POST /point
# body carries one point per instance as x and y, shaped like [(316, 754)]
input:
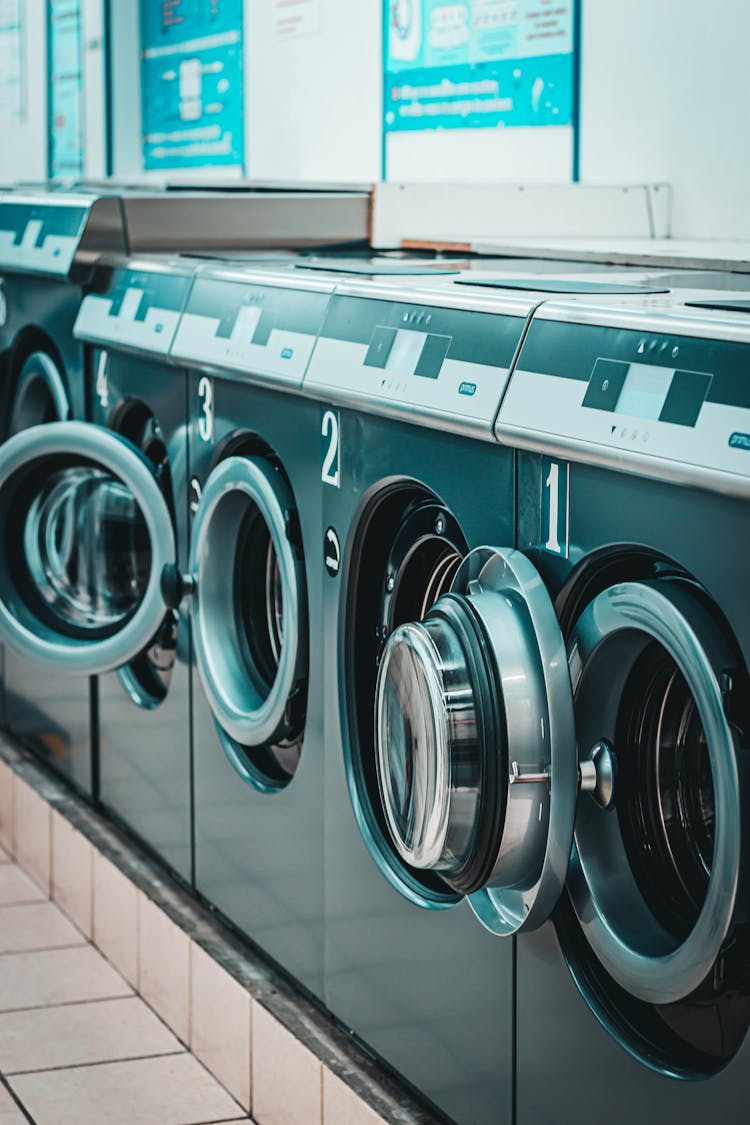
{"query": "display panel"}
[(464, 65), (191, 83), (66, 125), (647, 391)]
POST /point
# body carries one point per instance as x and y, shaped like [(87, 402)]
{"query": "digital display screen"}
[(644, 390), (402, 351), (647, 391)]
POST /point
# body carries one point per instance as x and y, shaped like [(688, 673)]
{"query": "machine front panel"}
[(657, 404), (250, 328), (416, 360), (137, 309), (40, 237)]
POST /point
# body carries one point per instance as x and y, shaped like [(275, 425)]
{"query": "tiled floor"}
[(77, 1045)]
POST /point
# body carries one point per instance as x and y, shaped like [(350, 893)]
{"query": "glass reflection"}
[(87, 549)]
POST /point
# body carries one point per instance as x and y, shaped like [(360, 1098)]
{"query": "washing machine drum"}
[(249, 614), (475, 742)]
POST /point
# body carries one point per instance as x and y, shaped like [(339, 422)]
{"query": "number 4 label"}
[(555, 507), (330, 432)]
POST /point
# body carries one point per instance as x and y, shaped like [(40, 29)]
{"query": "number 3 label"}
[(555, 509), (330, 429), (206, 404)]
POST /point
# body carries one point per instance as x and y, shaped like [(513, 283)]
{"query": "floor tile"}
[(220, 1024), (287, 1078), (10, 1114), (37, 925), (15, 886), (164, 967), (72, 860), (175, 1090), (79, 1034), (115, 909), (7, 807), (342, 1106), (33, 833), (32, 980)]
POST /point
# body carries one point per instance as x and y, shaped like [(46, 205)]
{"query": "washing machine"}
[(142, 719), (48, 243), (633, 485), (256, 566), (410, 379)]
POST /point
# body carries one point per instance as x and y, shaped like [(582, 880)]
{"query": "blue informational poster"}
[(66, 145), (191, 83), (477, 64)]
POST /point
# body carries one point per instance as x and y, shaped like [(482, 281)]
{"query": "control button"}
[(605, 384)]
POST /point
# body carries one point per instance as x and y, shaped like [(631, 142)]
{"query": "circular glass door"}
[(475, 743), (85, 537), (654, 879), (249, 616)]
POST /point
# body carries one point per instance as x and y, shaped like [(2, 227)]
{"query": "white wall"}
[(313, 107), (23, 144), (665, 96)]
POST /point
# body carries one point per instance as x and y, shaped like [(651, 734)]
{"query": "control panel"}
[(134, 308), (38, 236), (448, 363), (251, 325), (665, 396)]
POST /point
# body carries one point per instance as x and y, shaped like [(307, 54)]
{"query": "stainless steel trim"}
[(437, 293), (671, 319), (19, 628), (644, 465)]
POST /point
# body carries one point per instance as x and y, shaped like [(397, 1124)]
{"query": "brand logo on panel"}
[(740, 441), (467, 389)]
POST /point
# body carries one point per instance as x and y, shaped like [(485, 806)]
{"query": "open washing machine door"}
[(86, 536), (249, 616), (40, 395), (475, 740), (655, 883), (492, 737)]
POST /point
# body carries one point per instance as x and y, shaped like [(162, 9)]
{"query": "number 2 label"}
[(555, 508), (330, 429)]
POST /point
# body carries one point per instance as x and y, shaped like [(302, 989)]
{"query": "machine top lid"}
[(553, 285), (742, 306), (376, 267)]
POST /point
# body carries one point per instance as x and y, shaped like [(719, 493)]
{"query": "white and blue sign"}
[(65, 89), (476, 64), (191, 84)]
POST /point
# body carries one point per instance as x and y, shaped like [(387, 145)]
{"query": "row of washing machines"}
[(401, 608)]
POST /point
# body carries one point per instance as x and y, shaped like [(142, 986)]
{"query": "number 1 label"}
[(555, 507)]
